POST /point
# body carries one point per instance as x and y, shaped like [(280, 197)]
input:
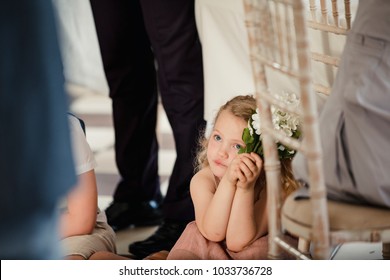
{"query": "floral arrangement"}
[(289, 124)]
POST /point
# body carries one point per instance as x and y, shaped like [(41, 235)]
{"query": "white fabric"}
[(82, 153), (227, 68), (80, 50)]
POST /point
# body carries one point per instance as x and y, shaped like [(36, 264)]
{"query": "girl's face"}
[(225, 141)]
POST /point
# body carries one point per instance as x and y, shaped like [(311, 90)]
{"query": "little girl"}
[(229, 193), (83, 227)]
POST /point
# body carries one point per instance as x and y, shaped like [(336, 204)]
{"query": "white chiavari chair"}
[(278, 42)]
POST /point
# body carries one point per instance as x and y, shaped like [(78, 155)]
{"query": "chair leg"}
[(274, 252), (304, 247), (386, 251)]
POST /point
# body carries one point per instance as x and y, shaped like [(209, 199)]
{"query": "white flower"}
[(250, 127), (256, 122), (288, 124), (283, 121)]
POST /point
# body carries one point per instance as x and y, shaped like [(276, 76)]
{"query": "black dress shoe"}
[(163, 239), (124, 214)]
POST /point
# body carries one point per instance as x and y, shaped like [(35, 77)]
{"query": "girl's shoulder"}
[(204, 174), (203, 178)]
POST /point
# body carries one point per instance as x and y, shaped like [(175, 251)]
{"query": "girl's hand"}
[(250, 168), (244, 169)]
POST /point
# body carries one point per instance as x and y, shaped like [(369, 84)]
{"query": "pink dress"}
[(192, 245)]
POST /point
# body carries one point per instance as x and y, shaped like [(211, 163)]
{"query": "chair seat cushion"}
[(297, 217)]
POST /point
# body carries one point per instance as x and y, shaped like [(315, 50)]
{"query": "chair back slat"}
[(330, 24), (282, 45)]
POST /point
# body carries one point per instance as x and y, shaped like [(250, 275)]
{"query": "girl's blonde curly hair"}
[(242, 106)]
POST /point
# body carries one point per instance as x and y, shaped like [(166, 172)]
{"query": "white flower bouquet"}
[(287, 123)]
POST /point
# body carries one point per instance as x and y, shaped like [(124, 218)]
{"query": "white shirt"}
[(84, 159)]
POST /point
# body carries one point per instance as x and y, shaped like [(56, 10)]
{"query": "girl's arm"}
[(248, 221), (248, 218), (212, 204), (80, 217)]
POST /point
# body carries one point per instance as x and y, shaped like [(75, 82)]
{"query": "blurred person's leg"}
[(36, 166), (355, 121), (129, 67)]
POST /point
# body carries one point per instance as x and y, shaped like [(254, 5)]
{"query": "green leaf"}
[(246, 136)]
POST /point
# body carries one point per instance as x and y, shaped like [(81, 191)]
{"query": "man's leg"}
[(129, 66), (172, 31)]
